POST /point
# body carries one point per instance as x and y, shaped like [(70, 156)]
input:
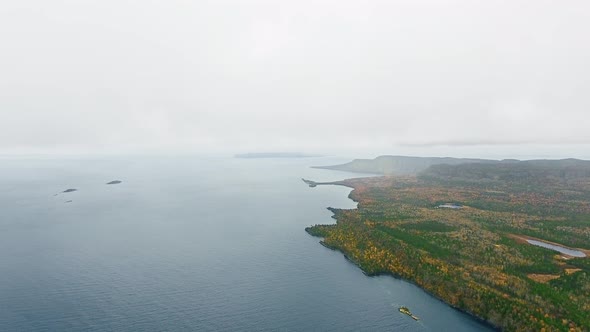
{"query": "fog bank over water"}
[(379, 77), (522, 152), (500, 151)]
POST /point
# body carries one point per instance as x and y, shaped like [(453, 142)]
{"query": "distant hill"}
[(470, 170), (275, 155), (530, 172), (399, 165)]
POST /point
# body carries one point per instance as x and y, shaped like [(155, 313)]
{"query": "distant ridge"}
[(435, 167), (528, 172), (275, 155), (400, 165)]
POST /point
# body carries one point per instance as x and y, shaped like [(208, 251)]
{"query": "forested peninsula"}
[(463, 232)]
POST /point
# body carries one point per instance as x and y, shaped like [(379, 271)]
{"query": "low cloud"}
[(317, 76)]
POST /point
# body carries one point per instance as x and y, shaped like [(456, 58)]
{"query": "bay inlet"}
[(185, 244)]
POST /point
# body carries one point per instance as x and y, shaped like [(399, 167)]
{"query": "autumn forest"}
[(475, 255)]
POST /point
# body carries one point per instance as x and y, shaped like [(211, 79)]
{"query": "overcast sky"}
[(317, 76)]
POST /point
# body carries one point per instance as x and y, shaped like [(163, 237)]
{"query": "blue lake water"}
[(563, 250), (187, 244)]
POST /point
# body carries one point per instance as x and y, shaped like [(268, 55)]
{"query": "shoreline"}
[(398, 277), (389, 274)]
